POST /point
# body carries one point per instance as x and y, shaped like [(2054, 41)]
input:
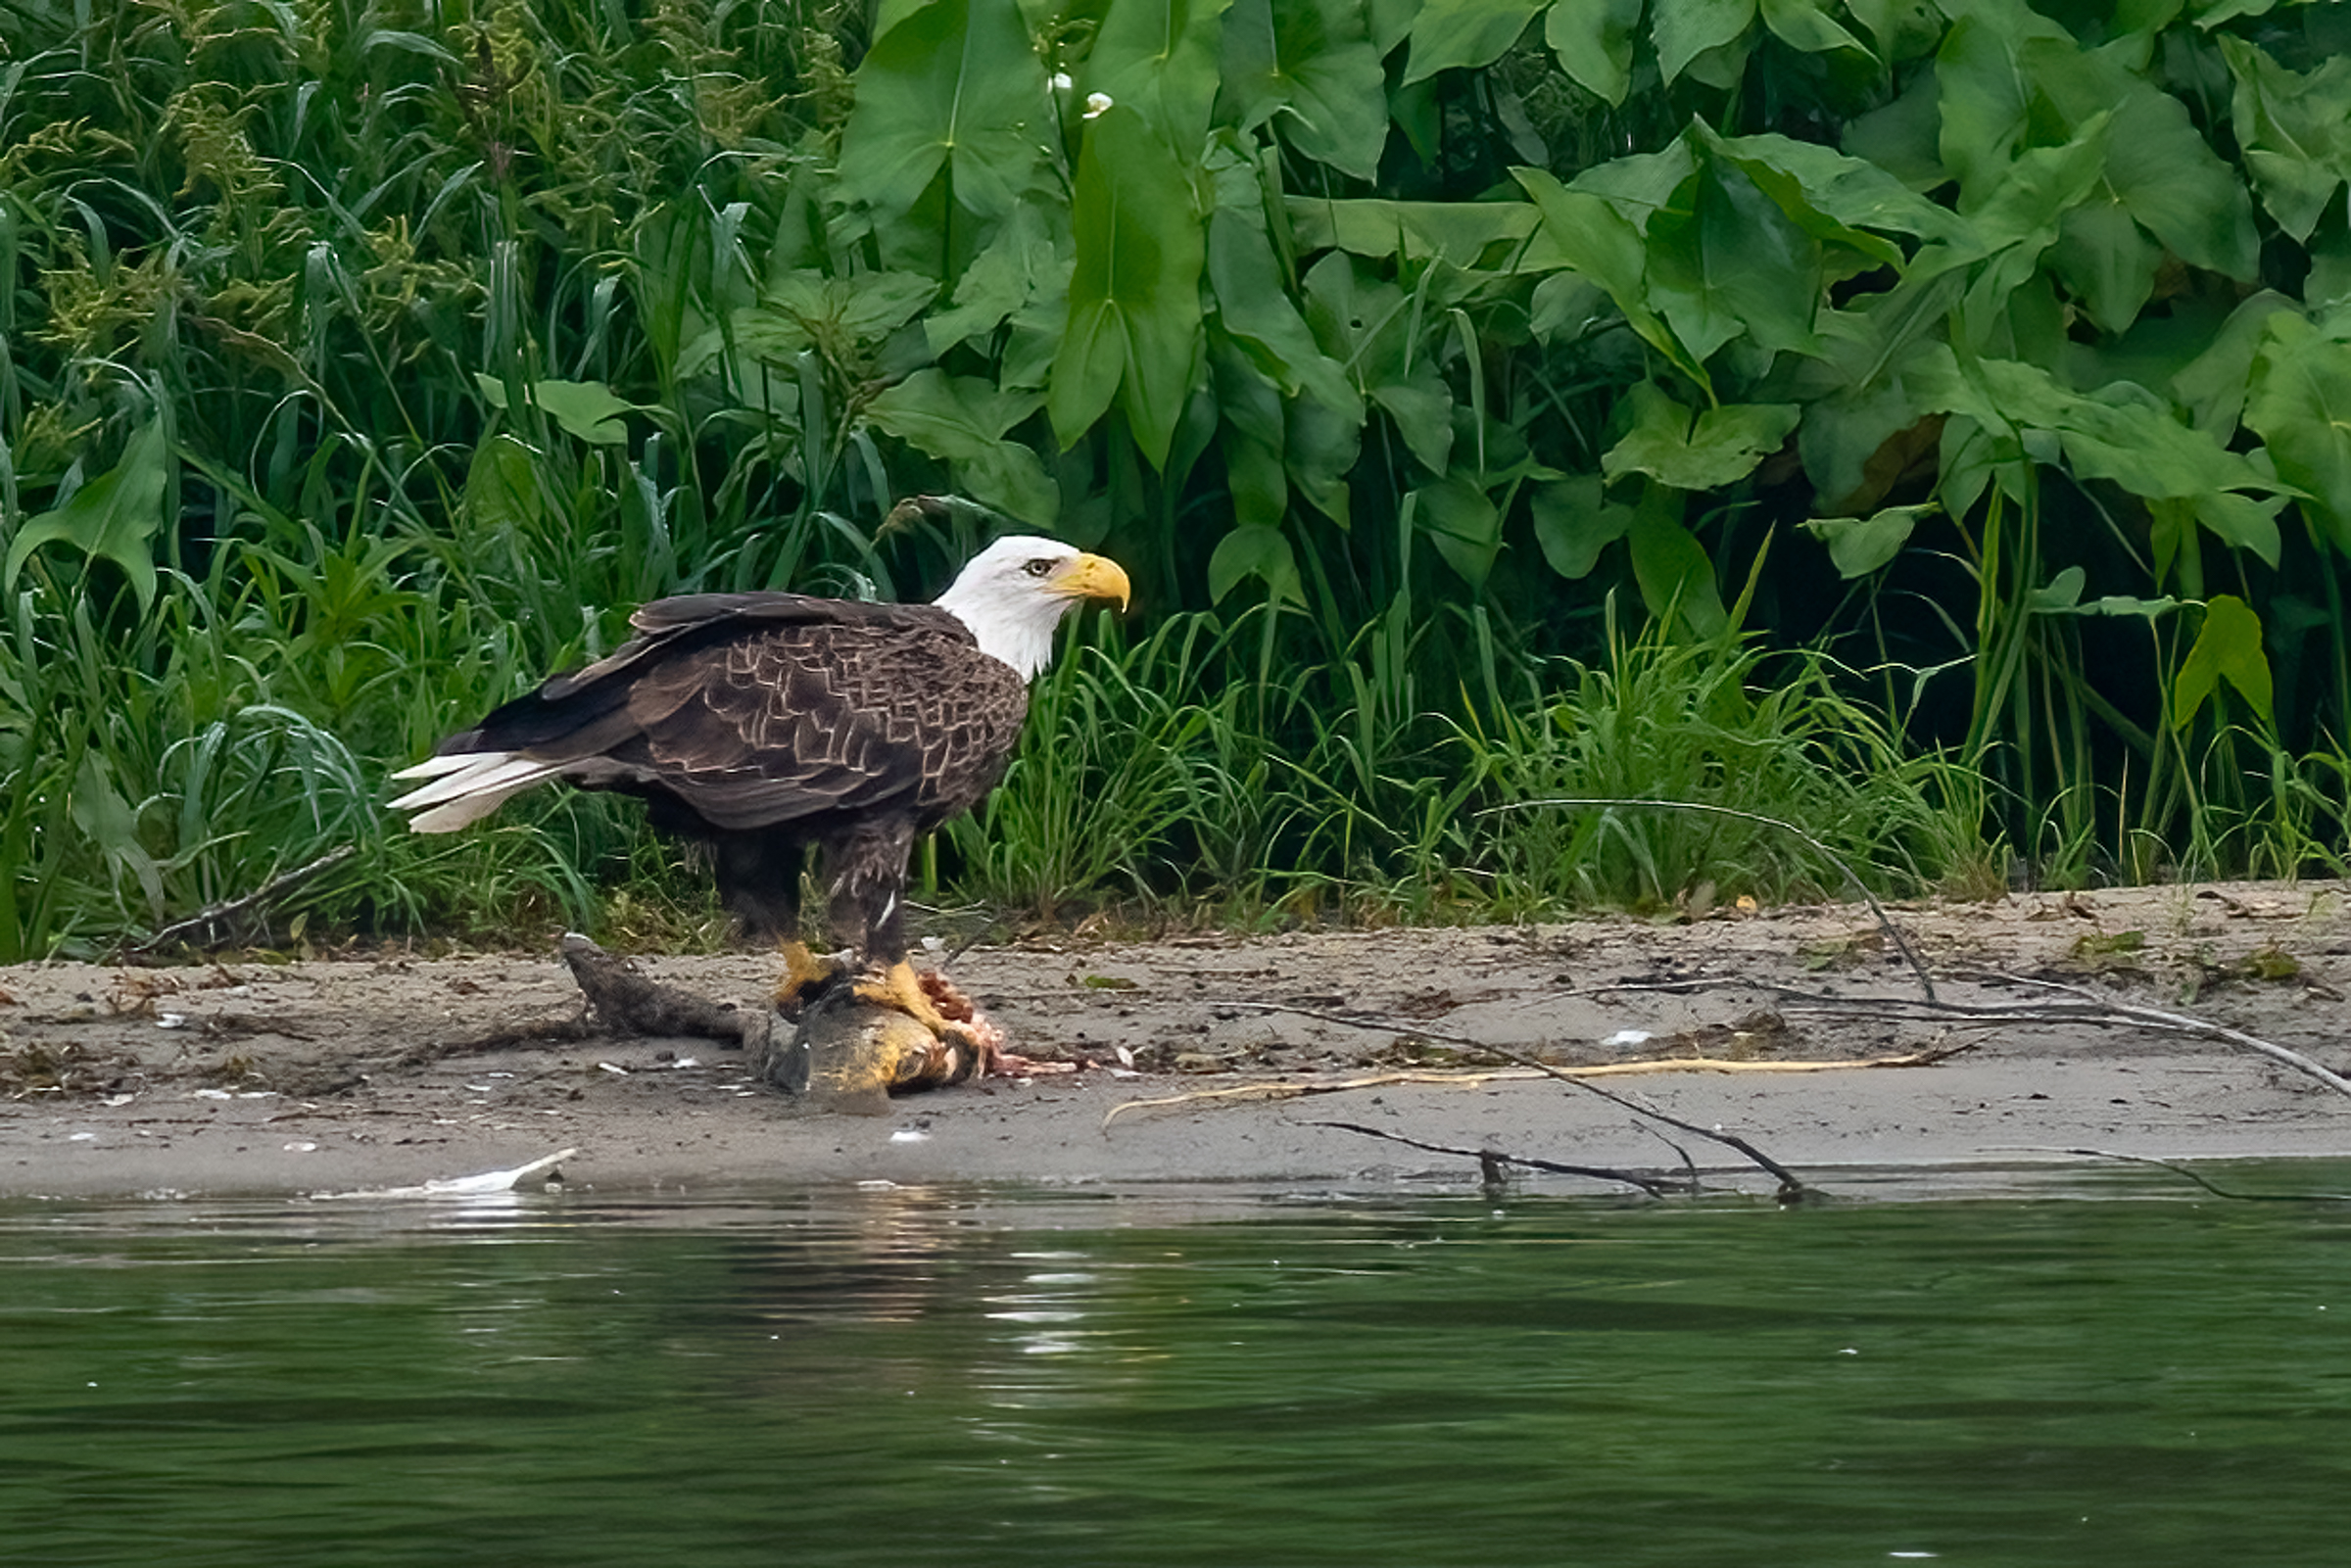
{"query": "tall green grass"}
[(246, 725), (1090, 799), (1720, 723)]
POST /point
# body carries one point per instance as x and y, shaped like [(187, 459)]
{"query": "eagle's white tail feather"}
[(478, 785), (434, 767), (472, 809), (483, 770)]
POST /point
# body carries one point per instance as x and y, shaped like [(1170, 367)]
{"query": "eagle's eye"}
[(1038, 567)]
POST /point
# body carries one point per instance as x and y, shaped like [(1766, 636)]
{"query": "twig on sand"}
[(1792, 1186), (2188, 1023), (209, 920), (1894, 932), (1488, 1159), (1290, 1089), (2085, 1007)]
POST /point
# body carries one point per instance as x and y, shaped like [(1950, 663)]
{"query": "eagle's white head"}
[(1015, 592)]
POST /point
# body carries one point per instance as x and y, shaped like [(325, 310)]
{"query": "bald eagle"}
[(765, 724)]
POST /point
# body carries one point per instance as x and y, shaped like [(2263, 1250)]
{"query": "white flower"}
[(1061, 82), (1095, 103)]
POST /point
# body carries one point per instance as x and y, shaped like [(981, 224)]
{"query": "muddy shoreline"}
[(245, 1078)]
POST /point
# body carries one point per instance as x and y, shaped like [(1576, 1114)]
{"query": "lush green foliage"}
[(358, 364)]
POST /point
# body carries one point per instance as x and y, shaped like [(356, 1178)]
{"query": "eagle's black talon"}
[(809, 976)]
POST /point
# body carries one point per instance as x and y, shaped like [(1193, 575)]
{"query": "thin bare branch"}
[(1393, 1025), (2211, 1186), (1792, 1186), (1894, 932), (1655, 1186), (2086, 1008), (218, 915)]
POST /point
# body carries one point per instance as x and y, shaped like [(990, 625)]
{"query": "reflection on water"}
[(937, 1376)]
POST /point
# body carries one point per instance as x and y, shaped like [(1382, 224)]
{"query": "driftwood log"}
[(625, 1002)]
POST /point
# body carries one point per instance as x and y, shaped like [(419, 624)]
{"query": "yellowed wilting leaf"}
[(2268, 961), (1833, 952), (2107, 945)]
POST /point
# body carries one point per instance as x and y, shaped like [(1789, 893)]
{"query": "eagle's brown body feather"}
[(765, 724)]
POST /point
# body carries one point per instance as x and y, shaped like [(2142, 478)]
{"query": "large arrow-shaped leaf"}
[(1449, 34), (2301, 403), (1159, 58), (1366, 323), (1459, 520), (1135, 297), (2119, 433), (2228, 648), (1252, 298), (113, 517), (1721, 447), (953, 85), (2013, 80), (1724, 258), (1684, 30), (1309, 66), (2295, 131), (962, 419), (1594, 42), (1595, 239)]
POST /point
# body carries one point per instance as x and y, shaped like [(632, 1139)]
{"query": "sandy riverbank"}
[(242, 1077)]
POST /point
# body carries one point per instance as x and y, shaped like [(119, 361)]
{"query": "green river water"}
[(2115, 1372)]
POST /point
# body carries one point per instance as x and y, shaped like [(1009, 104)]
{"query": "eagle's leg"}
[(759, 881), (867, 871)]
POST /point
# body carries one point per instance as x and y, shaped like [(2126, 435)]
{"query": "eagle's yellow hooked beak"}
[(1093, 577)]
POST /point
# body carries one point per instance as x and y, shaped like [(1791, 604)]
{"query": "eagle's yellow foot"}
[(901, 987), (805, 975), (973, 1043)]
